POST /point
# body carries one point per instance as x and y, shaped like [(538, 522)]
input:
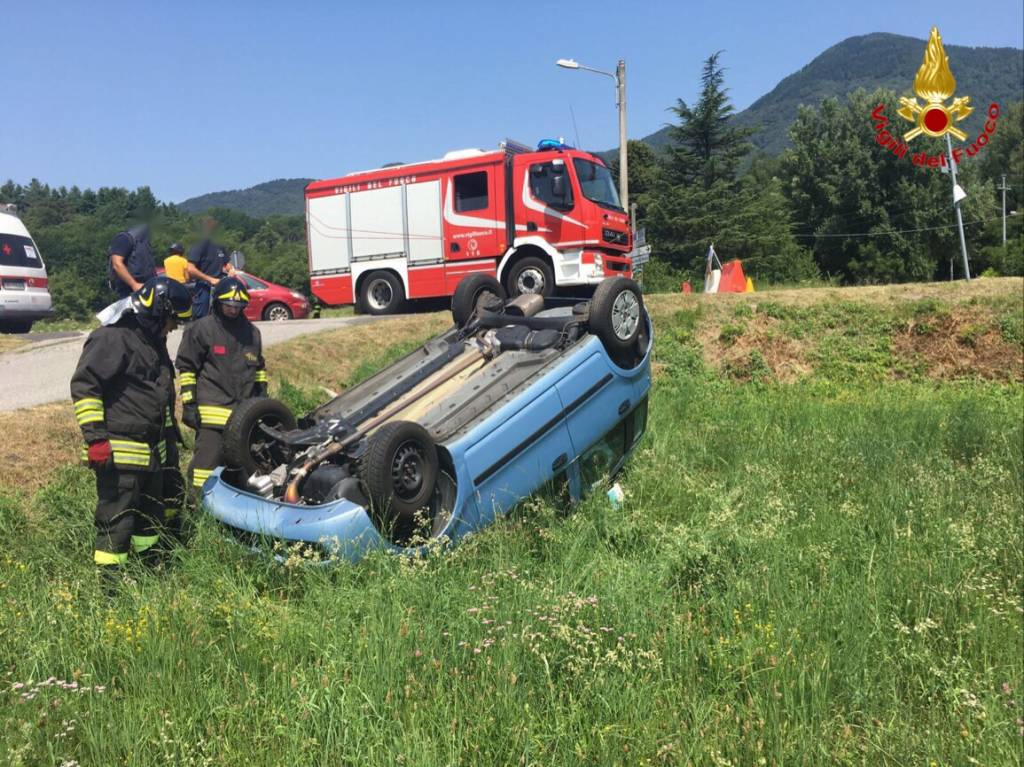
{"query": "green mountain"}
[(878, 60), (283, 196)]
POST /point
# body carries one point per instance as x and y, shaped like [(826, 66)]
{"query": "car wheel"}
[(530, 275), (15, 327), (246, 446), (381, 293), (399, 470), (277, 312), (473, 292), (617, 314)]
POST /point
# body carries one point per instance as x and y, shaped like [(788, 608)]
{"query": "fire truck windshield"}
[(596, 183)]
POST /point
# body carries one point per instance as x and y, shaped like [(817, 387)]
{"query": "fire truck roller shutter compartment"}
[(378, 228), (424, 238), (328, 229)]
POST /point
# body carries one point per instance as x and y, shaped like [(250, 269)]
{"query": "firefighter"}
[(122, 391), (221, 363)]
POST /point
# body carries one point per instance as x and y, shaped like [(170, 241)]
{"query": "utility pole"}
[(958, 195), (1004, 187), (619, 76), (620, 83)]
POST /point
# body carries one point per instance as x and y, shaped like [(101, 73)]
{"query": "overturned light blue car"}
[(519, 396)]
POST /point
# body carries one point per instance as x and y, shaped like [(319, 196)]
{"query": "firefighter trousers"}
[(129, 513), (173, 488), (207, 456)]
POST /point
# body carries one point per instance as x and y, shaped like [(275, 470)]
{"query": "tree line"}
[(835, 206), (74, 227)]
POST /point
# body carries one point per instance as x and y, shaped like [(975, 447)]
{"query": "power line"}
[(898, 231)]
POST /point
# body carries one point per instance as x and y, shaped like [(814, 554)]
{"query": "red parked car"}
[(268, 301)]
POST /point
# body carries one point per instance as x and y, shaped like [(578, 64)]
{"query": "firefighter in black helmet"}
[(123, 391), (221, 363)]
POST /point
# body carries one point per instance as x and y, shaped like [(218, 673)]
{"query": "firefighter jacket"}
[(221, 364), (122, 391)]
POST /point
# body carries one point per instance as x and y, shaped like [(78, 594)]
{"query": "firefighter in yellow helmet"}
[(123, 393), (221, 363)]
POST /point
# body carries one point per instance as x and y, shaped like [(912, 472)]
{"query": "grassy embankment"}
[(819, 561)]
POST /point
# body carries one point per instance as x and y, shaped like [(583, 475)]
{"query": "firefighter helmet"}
[(231, 291), (161, 298)]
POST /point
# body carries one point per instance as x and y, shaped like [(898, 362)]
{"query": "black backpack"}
[(140, 262)]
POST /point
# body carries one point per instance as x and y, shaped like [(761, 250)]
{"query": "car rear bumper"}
[(18, 311)]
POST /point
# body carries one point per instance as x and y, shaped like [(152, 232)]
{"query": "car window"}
[(542, 184), (471, 191), (19, 251), (252, 283), (596, 183), (639, 421), (601, 458)]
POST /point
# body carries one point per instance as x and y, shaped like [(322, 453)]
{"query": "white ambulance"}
[(24, 287)]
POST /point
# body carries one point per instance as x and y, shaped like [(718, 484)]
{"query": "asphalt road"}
[(39, 373)]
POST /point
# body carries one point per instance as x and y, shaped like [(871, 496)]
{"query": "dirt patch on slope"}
[(965, 345)]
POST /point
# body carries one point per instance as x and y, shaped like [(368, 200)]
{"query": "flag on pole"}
[(713, 258), (712, 273)]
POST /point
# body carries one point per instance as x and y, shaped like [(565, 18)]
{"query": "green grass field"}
[(820, 560)]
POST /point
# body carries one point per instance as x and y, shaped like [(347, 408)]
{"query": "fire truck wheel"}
[(530, 275), (617, 314), (472, 292), (246, 446), (381, 293), (399, 470)]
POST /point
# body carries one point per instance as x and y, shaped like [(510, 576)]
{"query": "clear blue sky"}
[(192, 97)]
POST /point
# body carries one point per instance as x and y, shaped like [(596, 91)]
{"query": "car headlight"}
[(297, 295)]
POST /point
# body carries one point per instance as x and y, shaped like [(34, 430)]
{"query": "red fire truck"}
[(535, 219)]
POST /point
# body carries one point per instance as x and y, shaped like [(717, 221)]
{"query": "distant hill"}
[(282, 196), (878, 60)]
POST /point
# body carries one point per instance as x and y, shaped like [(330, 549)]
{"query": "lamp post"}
[(619, 76)]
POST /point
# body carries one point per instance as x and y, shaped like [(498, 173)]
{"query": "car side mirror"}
[(558, 186)]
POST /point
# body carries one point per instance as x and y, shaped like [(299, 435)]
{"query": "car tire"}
[(277, 312), (14, 326), (471, 293), (399, 470), (381, 293), (617, 315), (530, 275), (246, 447)]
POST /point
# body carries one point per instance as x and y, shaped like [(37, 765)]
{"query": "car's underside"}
[(381, 444)]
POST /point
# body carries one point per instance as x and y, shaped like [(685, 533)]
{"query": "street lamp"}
[(619, 76)]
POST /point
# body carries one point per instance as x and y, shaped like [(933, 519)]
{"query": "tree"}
[(868, 215), (704, 148), (696, 198), (643, 172)]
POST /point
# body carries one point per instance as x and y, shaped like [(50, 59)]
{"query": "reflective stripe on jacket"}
[(122, 389), (221, 364)]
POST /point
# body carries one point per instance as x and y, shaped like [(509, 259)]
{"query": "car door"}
[(525, 450), (257, 297)]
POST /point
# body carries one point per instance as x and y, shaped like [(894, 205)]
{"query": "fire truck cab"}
[(535, 219)]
